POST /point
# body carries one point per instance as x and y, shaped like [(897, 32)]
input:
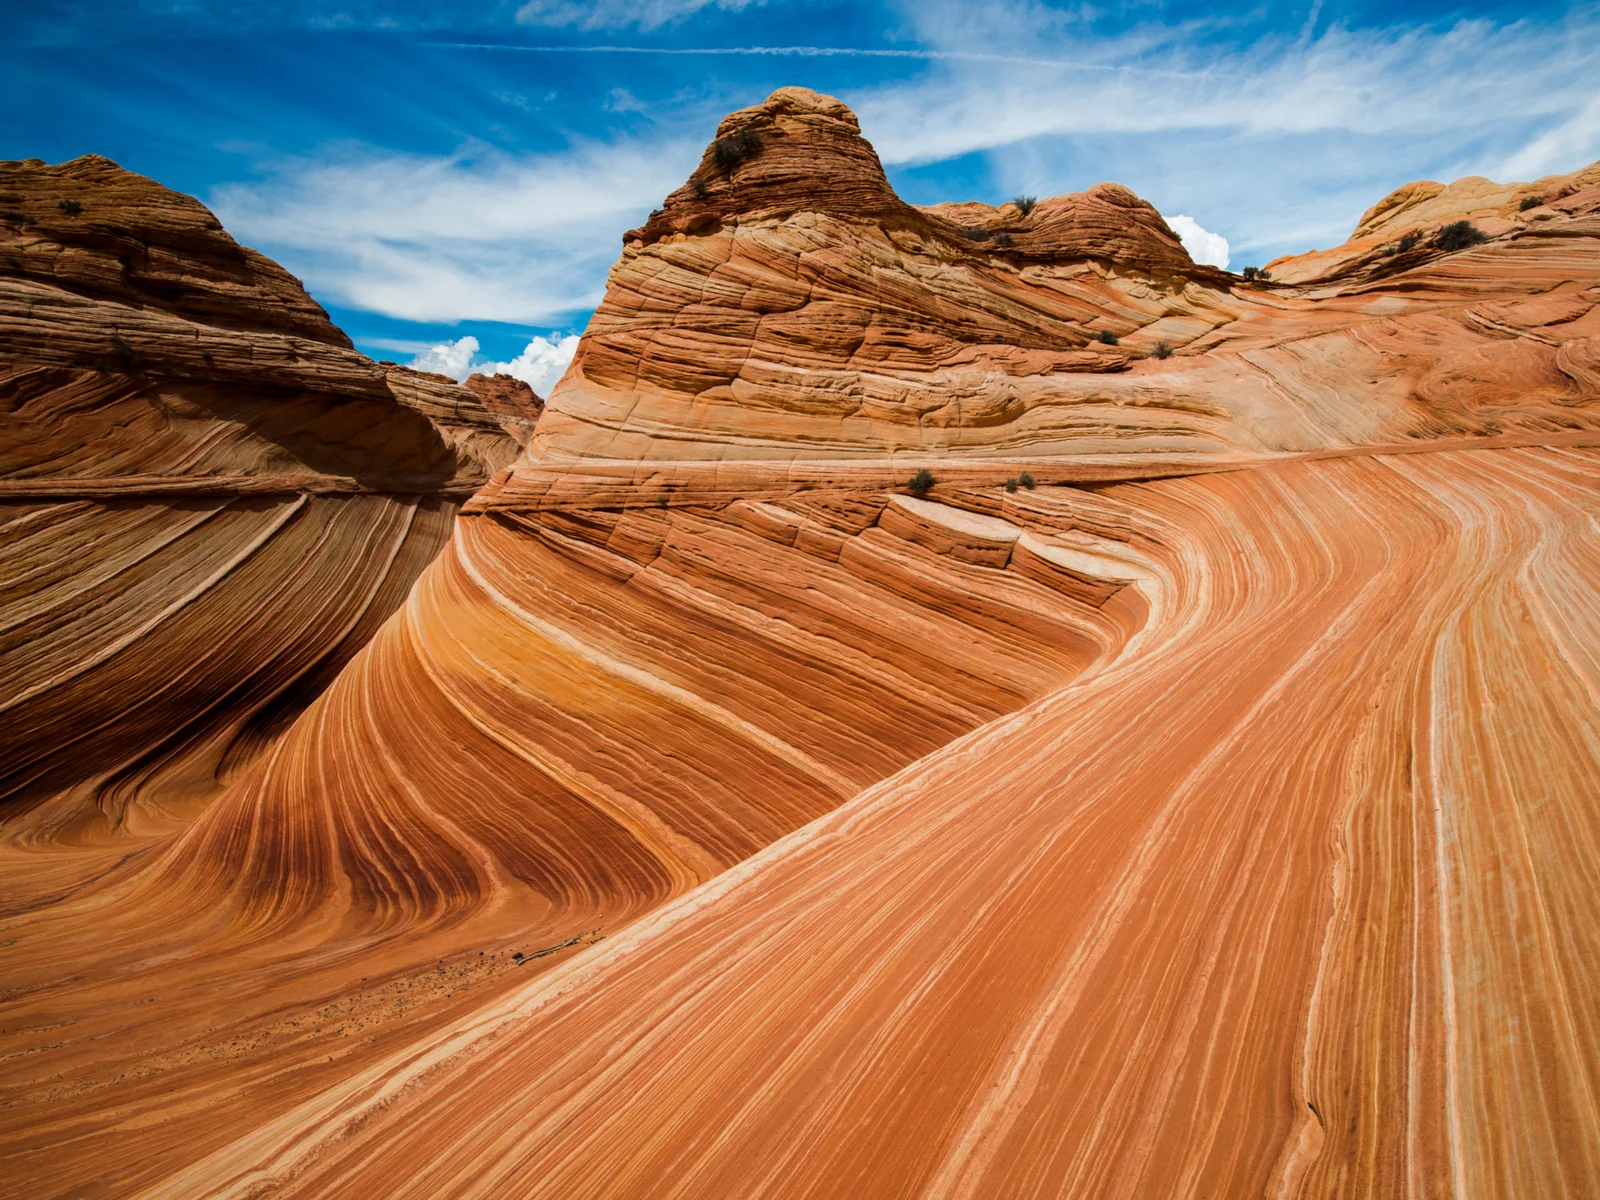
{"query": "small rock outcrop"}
[(1404, 228), (515, 404)]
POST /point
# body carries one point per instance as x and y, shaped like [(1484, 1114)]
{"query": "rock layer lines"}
[(1190, 793)]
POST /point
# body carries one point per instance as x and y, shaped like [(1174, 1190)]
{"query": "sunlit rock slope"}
[(1191, 793)]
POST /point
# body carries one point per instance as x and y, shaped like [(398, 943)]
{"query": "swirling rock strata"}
[(1186, 794), (208, 499), (1236, 915)]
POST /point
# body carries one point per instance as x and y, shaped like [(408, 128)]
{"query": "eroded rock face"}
[(742, 325), (1403, 229), (208, 499), (516, 405), (1189, 791)]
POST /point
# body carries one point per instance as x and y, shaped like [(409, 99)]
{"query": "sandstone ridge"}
[(785, 307), (211, 499), (1188, 792)]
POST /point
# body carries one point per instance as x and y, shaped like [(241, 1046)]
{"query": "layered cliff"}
[(208, 499), (1187, 792)]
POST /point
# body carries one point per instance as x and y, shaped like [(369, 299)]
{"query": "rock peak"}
[(797, 102), (796, 150)]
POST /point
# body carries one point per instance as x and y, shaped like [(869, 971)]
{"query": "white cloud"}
[(621, 100), (541, 363), (1382, 81), (449, 358), (480, 235), (1203, 245), (1571, 144), (1277, 142), (618, 14)]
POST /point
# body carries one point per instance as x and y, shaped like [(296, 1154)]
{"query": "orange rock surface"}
[(208, 499), (1192, 793)]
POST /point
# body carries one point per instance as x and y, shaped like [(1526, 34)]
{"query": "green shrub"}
[(1011, 485), (977, 235), (71, 207), (1002, 238), (728, 152), (1025, 480), (1459, 235), (1408, 243), (1026, 204), (1107, 338), (1530, 202), (1250, 272), (921, 483), (1163, 349), (698, 188)]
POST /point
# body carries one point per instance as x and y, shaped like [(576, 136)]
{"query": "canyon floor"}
[(1189, 787)]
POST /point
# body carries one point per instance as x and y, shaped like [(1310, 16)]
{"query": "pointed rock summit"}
[(798, 150), (802, 151)]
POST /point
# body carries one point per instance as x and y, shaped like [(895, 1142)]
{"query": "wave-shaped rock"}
[(208, 499), (1183, 789)]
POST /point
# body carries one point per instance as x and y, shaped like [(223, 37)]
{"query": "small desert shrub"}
[(1002, 238), (977, 235), (71, 207), (728, 152), (1250, 272), (1011, 485), (1026, 204), (921, 483), (1459, 235), (1163, 349), (1530, 202), (14, 218), (1408, 243), (1025, 480), (698, 188), (1107, 338)]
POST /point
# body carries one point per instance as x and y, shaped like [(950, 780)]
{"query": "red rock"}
[(210, 499), (516, 405), (1213, 816)]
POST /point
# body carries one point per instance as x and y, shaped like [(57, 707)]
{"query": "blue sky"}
[(436, 171)]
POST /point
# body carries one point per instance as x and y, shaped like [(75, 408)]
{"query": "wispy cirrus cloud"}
[(1276, 138), (1456, 79), (481, 235), (620, 14)]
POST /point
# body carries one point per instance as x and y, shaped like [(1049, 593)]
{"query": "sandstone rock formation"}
[(1189, 794), (209, 500), (1402, 229), (511, 401)]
